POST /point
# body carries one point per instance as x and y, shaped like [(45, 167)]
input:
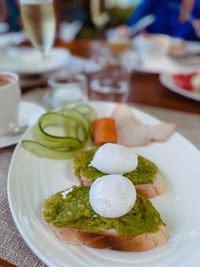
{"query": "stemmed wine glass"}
[(39, 21), (98, 14)]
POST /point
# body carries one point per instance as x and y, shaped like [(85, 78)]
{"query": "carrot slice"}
[(104, 131)]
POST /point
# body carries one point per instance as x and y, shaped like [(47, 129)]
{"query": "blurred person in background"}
[(173, 17), (13, 14)]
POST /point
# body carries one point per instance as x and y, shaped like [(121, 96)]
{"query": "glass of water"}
[(67, 88), (110, 84)]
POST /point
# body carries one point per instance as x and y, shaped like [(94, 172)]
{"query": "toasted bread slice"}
[(61, 215), (110, 240), (159, 186)]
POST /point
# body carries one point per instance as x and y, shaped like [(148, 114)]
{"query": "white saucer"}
[(28, 115)]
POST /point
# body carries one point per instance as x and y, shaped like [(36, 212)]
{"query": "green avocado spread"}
[(143, 174), (75, 211)]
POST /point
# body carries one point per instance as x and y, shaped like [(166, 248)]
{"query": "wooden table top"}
[(145, 88)]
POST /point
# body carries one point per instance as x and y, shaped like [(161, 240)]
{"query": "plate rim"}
[(164, 79), (40, 72), (26, 239)]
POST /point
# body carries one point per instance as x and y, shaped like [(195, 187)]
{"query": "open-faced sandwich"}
[(110, 208), (117, 159), (109, 214)]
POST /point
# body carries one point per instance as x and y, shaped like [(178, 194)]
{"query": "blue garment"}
[(167, 18), (13, 15)]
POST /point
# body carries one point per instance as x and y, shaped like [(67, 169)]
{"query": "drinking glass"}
[(110, 84), (151, 48), (98, 14), (67, 88), (38, 18), (118, 40)]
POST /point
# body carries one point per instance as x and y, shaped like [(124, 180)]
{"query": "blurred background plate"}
[(11, 38), (27, 61), (164, 64), (167, 80)]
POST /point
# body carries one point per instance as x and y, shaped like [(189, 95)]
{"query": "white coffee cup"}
[(9, 101), (151, 47)]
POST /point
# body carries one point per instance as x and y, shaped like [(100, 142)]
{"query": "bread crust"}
[(110, 240), (159, 187)]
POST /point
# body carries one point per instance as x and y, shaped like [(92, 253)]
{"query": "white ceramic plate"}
[(9, 38), (32, 179), (29, 61), (167, 80), (164, 64), (28, 115)]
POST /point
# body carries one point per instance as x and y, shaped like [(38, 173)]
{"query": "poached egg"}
[(114, 159), (112, 196)]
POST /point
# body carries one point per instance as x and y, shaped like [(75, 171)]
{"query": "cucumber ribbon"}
[(76, 122)]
